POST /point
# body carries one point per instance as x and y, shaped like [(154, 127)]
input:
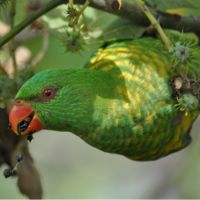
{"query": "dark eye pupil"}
[(47, 93)]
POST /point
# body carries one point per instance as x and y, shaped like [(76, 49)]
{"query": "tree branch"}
[(30, 19), (154, 23), (133, 13), (128, 10), (12, 42)]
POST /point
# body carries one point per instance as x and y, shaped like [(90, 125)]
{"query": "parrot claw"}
[(30, 137)]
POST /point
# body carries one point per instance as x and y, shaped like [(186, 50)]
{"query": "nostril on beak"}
[(18, 102)]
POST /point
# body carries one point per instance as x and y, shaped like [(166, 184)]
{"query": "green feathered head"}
[(54, 99)]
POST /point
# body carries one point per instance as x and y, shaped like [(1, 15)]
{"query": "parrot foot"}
[(30, 137)]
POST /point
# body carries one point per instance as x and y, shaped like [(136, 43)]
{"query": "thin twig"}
[(80, 12), (154, 23), (29, 20), (12, 42), (71, 3)]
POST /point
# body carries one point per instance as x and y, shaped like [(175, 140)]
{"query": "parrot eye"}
[(48, 93)]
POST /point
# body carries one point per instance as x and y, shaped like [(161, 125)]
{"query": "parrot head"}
[(52, 100)]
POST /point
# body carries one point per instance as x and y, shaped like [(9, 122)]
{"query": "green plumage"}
[(121, 102)]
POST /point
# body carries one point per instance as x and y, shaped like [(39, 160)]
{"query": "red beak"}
[(23, 120)]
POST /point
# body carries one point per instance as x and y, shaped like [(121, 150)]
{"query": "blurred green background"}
[(70, 168)]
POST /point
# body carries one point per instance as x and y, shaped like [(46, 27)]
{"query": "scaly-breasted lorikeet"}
[(121, 102)]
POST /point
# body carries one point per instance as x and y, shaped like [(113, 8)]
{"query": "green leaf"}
[(164, 5), (179, 7), (184, 11), (122, 29)]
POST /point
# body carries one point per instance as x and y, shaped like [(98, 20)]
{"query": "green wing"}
[(140, 120)]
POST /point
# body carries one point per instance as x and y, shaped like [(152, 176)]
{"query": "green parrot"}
[(122, 102)]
